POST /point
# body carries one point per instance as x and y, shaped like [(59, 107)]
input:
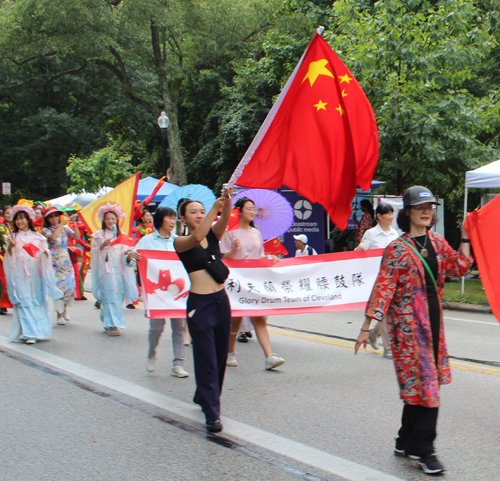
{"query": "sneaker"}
[(151, 364), (66, 316), (61, 321), (97, 305), (399, 452), (273, 361), (249, 334), (231, 359), (178, 371), (214, 426), (403, 453), (242, 337), (372, 339), (3, 311), (130, 306), (430, 464), (30, 341), (387, 353), (113, 331)]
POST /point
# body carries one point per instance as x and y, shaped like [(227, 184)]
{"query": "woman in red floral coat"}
[(409, 292)]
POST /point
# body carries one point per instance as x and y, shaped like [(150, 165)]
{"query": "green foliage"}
[(86, 79), (420, 65), (105, 167)]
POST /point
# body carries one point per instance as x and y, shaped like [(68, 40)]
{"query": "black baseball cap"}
[(418, 195)]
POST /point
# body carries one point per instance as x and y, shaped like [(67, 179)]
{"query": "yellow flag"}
[(123, 194)]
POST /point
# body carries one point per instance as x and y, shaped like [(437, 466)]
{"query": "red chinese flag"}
[(31, 249), (483, 229), (275, 247), (234, 220), (123, 239), (320, 138)]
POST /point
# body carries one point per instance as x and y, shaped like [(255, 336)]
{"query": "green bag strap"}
[(424, 262)]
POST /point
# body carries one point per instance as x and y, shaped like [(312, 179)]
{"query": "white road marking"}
[(286, 447), (471, 320)]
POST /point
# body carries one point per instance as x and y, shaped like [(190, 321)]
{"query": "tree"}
[(420, 64), (150, 46), (104, 168)]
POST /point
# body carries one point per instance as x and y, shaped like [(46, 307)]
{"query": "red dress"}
[(5, 303), (400, 293), (364, 224)]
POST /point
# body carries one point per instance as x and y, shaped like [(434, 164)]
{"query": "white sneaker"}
[(151, 364), (231, 359), (30, 341), (273, 361), (61, 321), (66, 316), (178, 371), (388, 353)]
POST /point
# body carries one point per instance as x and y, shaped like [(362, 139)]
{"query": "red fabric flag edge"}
[(483, 230)]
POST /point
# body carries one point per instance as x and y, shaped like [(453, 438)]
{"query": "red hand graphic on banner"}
[(165, 283)]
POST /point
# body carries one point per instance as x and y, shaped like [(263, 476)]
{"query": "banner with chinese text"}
[(323, 283)]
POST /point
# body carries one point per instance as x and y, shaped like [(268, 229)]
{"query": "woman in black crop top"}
[(208, 309)]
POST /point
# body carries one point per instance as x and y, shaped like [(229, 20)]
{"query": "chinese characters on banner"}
[(323, 283)]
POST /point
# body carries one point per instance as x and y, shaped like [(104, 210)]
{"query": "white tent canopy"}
[(83, 198), (487, 176)]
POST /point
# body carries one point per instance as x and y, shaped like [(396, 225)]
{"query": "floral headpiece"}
[(110, 207), (23, 208)]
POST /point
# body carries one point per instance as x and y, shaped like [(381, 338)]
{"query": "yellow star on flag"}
[(343, 93), (316, 69), (339, 108), (345, 78), (320, 106)]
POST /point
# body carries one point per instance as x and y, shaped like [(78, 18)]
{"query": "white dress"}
[(112, 280), (29, 281)]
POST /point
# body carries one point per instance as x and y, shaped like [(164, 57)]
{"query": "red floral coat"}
[(400, 294)]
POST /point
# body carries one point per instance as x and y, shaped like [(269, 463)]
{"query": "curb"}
[(462, 306)]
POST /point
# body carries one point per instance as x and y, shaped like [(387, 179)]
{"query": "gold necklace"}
[(423, 251)]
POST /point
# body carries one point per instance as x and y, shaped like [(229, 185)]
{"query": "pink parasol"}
[(273, 213)]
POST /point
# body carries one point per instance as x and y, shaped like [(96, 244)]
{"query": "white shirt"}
[(305, 252), (376, 238)]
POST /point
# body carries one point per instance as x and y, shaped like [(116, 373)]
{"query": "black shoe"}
[(400, 451), (242, 337), (97, 305), (249, 334), (214, 426), (430, 464), (130, 306), (3, 311)]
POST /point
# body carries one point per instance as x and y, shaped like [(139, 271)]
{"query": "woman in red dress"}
[(5, 231)]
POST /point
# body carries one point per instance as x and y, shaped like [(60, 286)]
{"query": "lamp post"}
[(164, 122)]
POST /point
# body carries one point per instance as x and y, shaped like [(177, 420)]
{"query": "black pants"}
[(418, 429), (209, 323), (418, 423)]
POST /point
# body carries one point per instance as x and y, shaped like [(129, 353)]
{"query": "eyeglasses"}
[(424, 207)]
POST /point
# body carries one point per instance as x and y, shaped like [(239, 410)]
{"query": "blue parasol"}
[(192, 191)]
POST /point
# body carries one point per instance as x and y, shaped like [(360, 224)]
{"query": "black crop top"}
[(194, 259)]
